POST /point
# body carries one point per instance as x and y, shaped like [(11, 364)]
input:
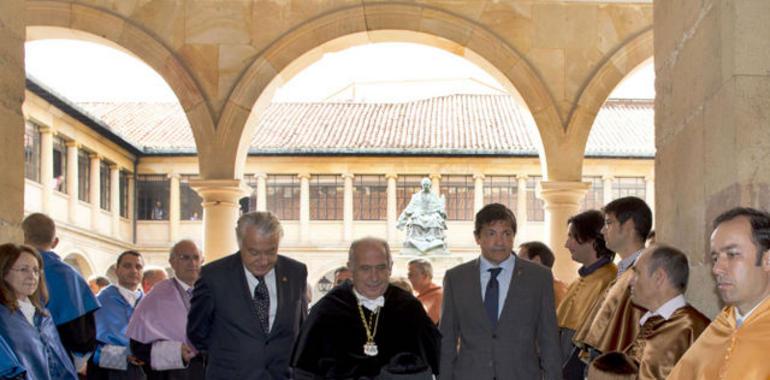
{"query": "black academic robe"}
[(194, 371), (330, 345)]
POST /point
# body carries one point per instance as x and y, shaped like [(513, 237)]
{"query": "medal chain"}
[(370, 326)]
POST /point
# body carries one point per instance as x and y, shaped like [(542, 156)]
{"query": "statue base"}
[(437, 251)]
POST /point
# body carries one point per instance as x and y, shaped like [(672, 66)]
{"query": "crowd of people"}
[(500, 316)]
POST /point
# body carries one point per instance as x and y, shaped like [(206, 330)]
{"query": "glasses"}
[(27, 270)]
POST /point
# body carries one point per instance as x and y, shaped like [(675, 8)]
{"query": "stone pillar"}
[(173, 207), (261, 191), (12, 37), (521, 200), (712, 110), (478, 192), (131, 197), (347, 208), (392, 203), (46, 167), (220, 214), (608, 181), (94, 192), (115, 198), (72, 180), (304, 207), (562, 200), (435, 180)]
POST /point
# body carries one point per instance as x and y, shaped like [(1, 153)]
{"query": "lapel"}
[(281, 289), (250, 311), (473, 278), (514, 290)]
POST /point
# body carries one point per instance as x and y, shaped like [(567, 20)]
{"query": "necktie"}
[(189, 292), (262, 304), (492, 296)]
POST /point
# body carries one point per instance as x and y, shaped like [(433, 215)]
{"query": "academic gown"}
[(10, 368), (37, 348), (330, 345), (157, 330), (725, 351), (71, 304), (111, 324)]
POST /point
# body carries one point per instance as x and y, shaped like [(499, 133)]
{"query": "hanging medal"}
[(370, 348)]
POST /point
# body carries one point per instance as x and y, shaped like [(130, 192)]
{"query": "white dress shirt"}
[(665, 310), (739, 319), (371, 304), (28, 310), (129, 295), (272, 290), (503, 278)]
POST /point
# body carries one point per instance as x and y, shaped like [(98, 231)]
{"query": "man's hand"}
[(187, 353), (134, 360)]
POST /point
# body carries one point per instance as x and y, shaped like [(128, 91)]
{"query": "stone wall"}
[(12, 36), (712, 61)]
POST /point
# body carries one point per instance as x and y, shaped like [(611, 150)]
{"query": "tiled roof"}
[(447, 125)]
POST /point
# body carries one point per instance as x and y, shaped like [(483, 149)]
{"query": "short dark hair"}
[(493, 212), (341, 269), (101, 281), (673, 262), (538, 249), (39, 229), (760, 226), (588, 226), (126, 253), (635, 209)]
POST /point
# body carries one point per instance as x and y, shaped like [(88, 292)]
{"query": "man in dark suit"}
[(498, 319), (247, 308)]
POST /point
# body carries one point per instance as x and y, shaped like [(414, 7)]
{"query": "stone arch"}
[(81, 263), (49, 19), (627, 58), (380, 22)]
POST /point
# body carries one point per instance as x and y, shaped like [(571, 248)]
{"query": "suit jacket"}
[(524, 345), (223, 320)]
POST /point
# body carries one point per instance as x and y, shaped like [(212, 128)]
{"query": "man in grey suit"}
[(247, 308), (498, 319)]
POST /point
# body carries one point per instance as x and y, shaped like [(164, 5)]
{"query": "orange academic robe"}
[(661, 343), (431, 300), (725, 352), (615, 320), (581, 295)]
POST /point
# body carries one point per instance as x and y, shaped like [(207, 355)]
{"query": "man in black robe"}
[(357, 328)]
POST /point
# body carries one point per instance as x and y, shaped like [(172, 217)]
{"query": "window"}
[(283, 196), (123, 179), (84, 176), (32, 151), (105, 183), (535, 208), (594, 199), (459, 192), (189, 201), (326, 197), (629, 186), (249, 202), (370, 197), (503, 190), (152, 197), (59, 164), (406, 186)]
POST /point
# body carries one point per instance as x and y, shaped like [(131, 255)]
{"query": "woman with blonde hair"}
[(25, 324)]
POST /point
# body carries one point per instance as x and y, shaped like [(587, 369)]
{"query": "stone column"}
[(261, 191), (12, 37), (347, 207), (521, 200), (173, 207), (435, 180), (392, 204), (131, 197), (304, 207), (220, 214), (607, 188), (712, 110), (46, 167), (115, 199), (562, 200), (94, 192), (478, 192), (72, 180)]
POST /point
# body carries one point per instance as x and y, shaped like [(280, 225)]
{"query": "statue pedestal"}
[(438, 251)]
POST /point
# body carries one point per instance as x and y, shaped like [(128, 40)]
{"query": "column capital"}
[(114, 166), (44, 129), (522, 176), (94, 156), (220, 190), (261, 175), (347, 175), (303, 175), (556, 193), (72, 144), (391, 176), (479, 176), (173, 175), (434, 176), (608, 177)]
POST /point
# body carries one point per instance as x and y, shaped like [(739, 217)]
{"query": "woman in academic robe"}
[(25, 324)]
